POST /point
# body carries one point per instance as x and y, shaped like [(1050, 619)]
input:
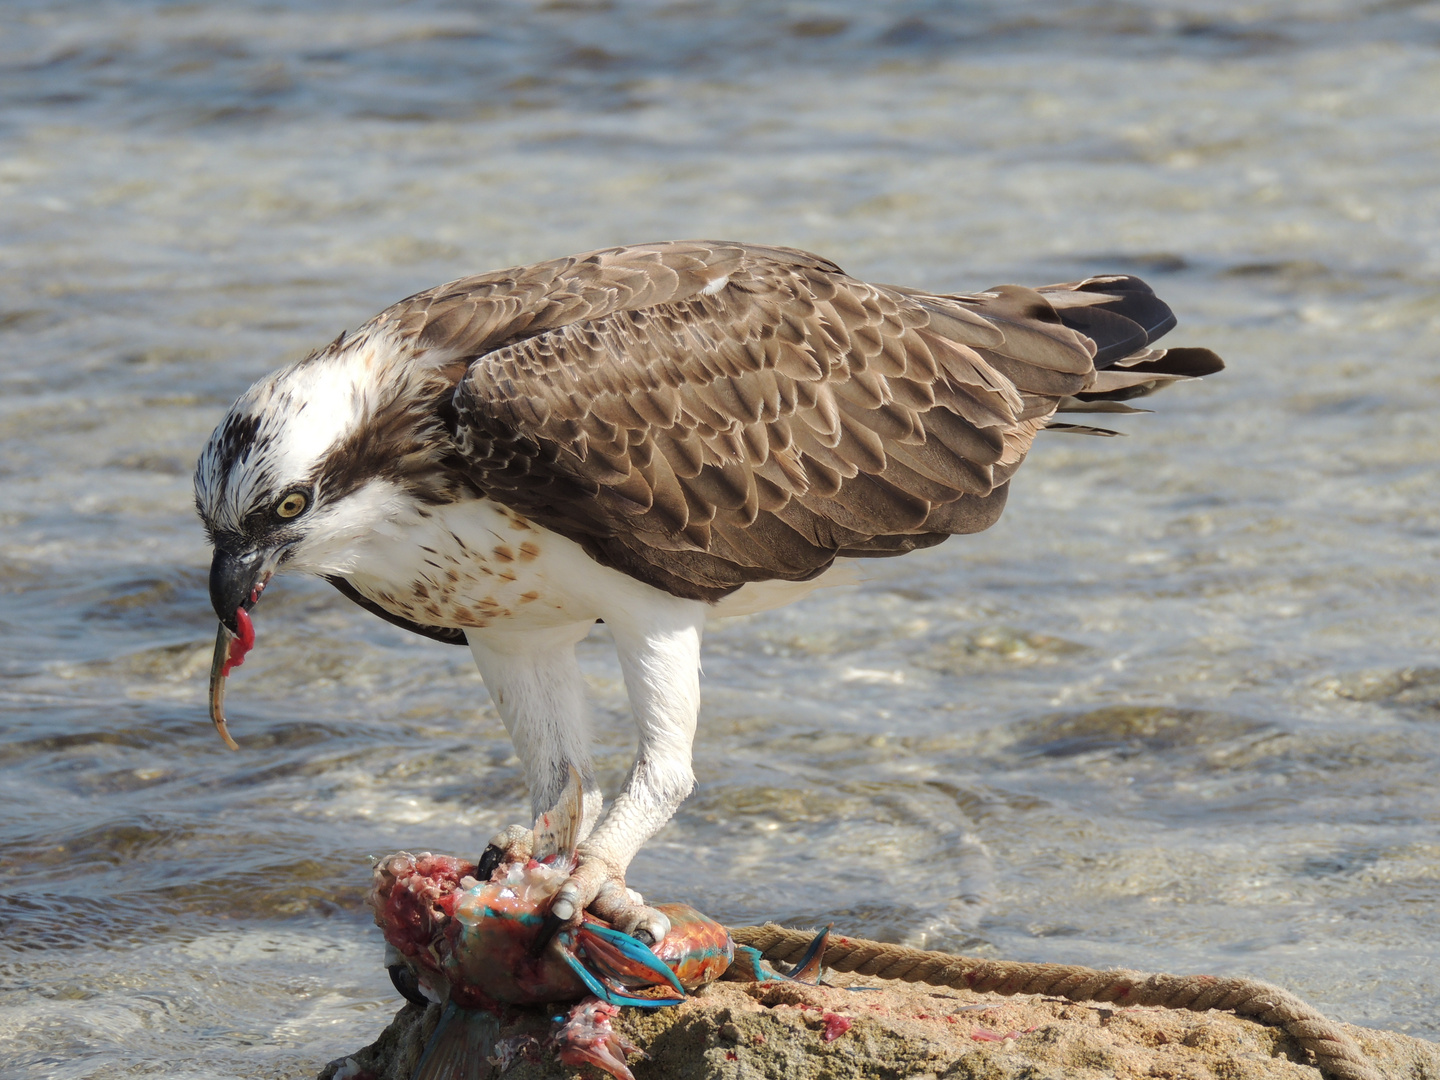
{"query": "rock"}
[(740, 1031)]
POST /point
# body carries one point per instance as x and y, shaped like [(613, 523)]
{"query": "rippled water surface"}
[(1179, 710)]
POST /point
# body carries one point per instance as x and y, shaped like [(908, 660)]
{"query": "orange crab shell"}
[(697, 948), (490, 937)]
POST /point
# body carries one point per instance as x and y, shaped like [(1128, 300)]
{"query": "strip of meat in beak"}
[(230, 650)]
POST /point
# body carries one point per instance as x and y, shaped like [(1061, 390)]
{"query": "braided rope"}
[(1336, 1054)]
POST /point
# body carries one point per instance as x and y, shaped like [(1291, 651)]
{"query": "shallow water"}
[(1179, 710)]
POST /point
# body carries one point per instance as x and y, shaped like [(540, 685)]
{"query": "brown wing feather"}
[(701, 415)]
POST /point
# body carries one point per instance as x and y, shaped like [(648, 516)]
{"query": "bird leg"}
[(538, 690), (659, 651)]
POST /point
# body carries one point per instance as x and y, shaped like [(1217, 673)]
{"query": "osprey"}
[(648, 436)]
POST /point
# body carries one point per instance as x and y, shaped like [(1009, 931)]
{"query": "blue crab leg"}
[(752, 960), (609, 994), (633, 950), (807, 970)]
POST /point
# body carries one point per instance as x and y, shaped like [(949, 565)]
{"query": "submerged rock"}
[(867, 1029)]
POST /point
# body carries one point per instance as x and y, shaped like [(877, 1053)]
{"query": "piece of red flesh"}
[(242, 643), (408, 909), (586, 1037)]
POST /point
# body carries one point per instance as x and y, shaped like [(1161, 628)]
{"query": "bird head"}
[(288, 479), (307, 464)]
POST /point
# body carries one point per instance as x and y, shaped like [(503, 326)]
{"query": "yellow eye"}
[(290, 505)]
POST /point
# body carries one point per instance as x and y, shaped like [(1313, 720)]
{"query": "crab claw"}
[(613, 995), (623, 957), (403, 977)]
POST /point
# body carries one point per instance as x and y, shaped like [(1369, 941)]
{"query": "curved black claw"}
[(548, 929), (490, 858), (404, 981)]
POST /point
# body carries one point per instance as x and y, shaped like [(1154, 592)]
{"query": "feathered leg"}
[(659, 648), (536, 685)]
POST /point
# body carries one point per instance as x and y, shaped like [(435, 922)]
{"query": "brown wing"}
[(472, 316), (700, 415)]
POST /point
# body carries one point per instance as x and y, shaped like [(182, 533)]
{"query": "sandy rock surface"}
[(869, 1030)]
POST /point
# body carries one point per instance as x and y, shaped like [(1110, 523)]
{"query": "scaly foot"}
[(597, 882), (594, 886), (599, 887), (552, 840), (514, 844)]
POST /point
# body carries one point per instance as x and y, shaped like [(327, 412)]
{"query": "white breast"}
[(476, 564)]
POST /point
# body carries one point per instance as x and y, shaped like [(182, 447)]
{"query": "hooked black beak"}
[(235, 582)]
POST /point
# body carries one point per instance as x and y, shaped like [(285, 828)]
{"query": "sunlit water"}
[(1186, 694)]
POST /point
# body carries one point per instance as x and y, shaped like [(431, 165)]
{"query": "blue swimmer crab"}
[(480, 948)]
